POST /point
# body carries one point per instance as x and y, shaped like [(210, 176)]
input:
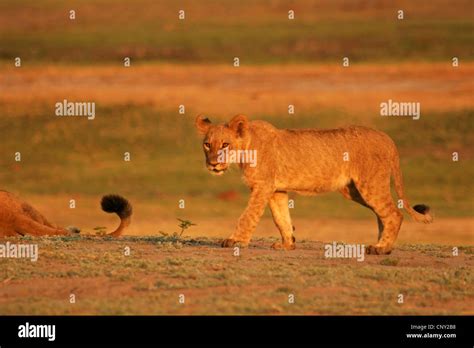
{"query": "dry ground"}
[(214, 281)]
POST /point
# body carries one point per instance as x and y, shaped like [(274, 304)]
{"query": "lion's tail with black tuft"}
[(419, 212), (120, 206)]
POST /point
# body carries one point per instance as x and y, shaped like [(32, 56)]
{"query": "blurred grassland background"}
[(216, 31), (64, 157)]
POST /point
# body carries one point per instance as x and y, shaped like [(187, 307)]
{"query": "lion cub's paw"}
[(229, 243), (283, 246), (377, 250)]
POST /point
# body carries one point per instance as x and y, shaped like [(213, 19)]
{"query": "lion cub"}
[(356, 161), (18, 218)]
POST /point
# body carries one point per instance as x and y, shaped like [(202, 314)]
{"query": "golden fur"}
[(356, 161), (18, 218)]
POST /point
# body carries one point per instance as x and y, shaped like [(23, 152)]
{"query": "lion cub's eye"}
[(224, 145), (207, 146)]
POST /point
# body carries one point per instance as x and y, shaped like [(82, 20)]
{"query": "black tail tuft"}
[(116, 204), (421, 208)]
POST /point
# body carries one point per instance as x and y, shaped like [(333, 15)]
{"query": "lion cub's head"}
[(221, 138)]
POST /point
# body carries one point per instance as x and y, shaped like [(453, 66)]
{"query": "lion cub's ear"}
[(239, 124), (202, 124)]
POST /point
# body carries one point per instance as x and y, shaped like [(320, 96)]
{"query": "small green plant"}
[(183, 225)]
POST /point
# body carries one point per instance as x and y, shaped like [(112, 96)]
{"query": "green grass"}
[(107, 31)]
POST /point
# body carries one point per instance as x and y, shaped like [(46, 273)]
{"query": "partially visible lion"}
[(18, 218), (356, 161)]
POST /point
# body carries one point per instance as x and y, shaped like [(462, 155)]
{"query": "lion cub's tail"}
[(419, 212), (120, 206)]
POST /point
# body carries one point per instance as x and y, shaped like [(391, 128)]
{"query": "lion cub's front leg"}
[(249, 219)]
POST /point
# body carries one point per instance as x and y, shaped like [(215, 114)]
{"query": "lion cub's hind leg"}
[(35, 215), (378, 197), (32, 222), (281, 216), (24, 225), (350, 192)]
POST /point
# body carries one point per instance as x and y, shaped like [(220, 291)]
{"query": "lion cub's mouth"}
[(216, 171)]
